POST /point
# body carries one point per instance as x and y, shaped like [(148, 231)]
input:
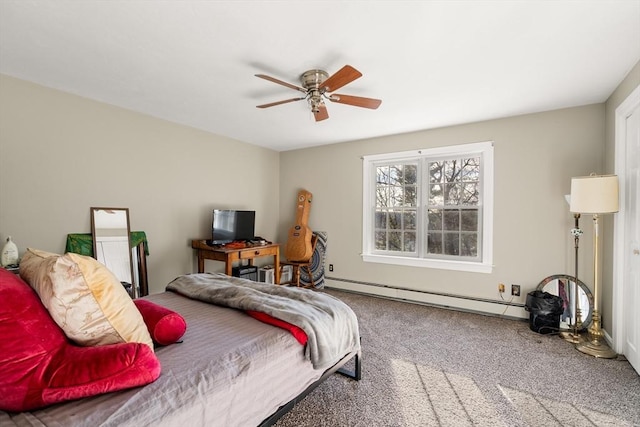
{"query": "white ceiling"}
[(433, 63)]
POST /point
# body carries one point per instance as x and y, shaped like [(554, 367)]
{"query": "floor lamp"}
[(576, 322), (596, 195)]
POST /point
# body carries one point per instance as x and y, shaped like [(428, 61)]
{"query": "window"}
[(430, 208)]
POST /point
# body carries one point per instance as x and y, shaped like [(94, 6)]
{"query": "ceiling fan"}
[(316, 85)]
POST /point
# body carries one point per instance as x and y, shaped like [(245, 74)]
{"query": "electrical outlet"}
[(330, 267), (501, 287), (515, 290)]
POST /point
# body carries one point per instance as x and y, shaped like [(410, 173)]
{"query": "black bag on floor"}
[(544, 311)]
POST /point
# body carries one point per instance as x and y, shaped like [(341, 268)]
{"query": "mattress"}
[(229, 370)]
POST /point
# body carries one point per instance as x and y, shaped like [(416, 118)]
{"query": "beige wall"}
[(624, 89), (535, 157), (61, 154), (58, 155)]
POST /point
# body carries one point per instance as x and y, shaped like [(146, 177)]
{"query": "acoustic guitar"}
[(298, 247)]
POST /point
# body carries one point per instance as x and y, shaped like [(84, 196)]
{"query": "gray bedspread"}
[(331, 326), (229, 370)]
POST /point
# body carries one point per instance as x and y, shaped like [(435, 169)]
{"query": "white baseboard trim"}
[(476, 305), (609, 339)]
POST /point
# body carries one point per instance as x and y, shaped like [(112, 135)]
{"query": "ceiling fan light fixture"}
[(315, 102), (316, 83)]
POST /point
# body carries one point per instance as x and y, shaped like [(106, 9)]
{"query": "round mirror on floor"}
[(562, 285)]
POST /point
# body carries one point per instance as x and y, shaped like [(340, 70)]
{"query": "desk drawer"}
[(257, 252)]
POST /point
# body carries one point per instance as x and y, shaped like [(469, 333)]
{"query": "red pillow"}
[(165, 326), (41, 367), (296, 331)]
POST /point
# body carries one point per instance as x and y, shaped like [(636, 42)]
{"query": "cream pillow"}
[(84, 298)]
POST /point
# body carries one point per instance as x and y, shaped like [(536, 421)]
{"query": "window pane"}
[(409, 218), (469, 220), (436, 197), (410, 174), (471, 169), (434, 243), (452, 220), (395, 241), (382, 196), (435, 171), (452, 244), (411, 196), (409, 242), (382, 174), (381, 240), (395, 220), (469, 245), (395, 175), (395, 196), (451, 170), (396, 207), (381, 220), (469, 194), (451, 194), (435, 219)]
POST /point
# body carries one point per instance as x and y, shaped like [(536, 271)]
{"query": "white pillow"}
[(84, 298)]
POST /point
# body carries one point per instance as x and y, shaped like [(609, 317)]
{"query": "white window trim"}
[(484, 266)]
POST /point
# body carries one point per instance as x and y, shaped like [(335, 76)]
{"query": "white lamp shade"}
[(594, 194)]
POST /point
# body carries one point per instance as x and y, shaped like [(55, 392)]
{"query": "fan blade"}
[(357, 101), (345, 75), (322, 113), (280, 82), (279, 102)]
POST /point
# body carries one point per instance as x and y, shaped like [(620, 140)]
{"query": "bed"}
[(228, 370)]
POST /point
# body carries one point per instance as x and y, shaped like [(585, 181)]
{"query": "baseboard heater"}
[(436, 299)]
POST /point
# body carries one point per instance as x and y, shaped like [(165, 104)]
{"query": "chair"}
[(304, 264)]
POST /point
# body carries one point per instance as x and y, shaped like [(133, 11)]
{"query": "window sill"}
[(474, 267)]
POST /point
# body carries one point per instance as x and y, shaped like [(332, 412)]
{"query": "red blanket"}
[(298, 333)]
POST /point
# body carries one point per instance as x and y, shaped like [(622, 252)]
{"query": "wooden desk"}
[(228, 255)]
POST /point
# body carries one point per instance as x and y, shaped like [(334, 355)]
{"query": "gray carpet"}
[(426, 366)]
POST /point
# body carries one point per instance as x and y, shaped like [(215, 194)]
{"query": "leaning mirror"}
[(562, 285), (111, 243)]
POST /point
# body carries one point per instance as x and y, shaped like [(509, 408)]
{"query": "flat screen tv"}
[(232, 225)]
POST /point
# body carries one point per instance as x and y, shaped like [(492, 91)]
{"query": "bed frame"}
[(355, 374)]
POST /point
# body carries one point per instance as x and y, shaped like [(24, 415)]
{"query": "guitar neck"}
[(303, 207)]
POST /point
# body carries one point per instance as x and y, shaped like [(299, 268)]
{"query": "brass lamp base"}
[(572, 337), (597, 348)]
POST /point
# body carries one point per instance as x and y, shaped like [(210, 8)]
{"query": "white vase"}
[(9, 253)]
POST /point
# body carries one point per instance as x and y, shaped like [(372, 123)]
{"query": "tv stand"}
[(230, 255)]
